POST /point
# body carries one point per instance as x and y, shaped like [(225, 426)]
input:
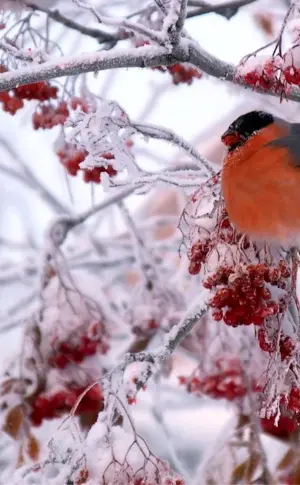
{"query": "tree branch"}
[(146, 56), (173, 338), (227, 9), (55, 15)]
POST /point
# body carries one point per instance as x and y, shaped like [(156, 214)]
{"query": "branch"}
[(27, 177), (55, 15), (60, 228), (228, 9), (173, 338), (159, 133), (146, 56)]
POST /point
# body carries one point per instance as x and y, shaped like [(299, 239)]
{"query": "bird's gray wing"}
[(290, 141)]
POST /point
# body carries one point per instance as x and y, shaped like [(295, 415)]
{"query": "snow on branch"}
[(106, 133)]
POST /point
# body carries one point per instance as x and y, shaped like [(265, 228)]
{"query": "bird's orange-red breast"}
[(261, 177)]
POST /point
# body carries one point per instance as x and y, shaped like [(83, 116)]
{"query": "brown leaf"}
[(33, 448), (14, 421), (286, 460), (266, 23), (238, 473)]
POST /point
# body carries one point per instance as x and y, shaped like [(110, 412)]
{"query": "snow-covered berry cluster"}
[(241, 294), (71, 157), (53, 405), (67, 352), (278, 73)]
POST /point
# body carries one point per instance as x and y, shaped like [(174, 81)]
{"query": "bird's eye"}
[(231, 138)]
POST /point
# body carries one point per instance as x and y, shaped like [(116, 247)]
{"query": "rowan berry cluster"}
[(242, 293), (275, 73), (49, 406), (225, 383), (181, 73), (71, 157), (223, 233), (47, 116), (286, 343), (67, 353), (283, 429), (13, 100)]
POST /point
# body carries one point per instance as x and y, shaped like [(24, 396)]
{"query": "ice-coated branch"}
[(60, 228), (27, 177), (147, 56), (140, 29), (143, 57), (160, 133), (174, 21), (226, 9), (36, 55), (94, 33), (172, 340)]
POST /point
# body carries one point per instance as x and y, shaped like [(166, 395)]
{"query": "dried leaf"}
[(286, 460), (238, 473), (14, 421), (33, 448)]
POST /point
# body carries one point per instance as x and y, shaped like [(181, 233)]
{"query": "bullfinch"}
[(261, 177)]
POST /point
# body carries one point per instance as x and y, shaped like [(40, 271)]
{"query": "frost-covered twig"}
[(34, 55), (172, 340), (140, 29), (94, 33), (27, 177), (160, 133), (226, 9)]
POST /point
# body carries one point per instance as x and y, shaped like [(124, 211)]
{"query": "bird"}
[(260, 177)]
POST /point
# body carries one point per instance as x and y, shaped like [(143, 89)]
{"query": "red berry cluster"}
[(55, 405), (181, 73), (285, 427), (39, 91), (273, 74), (226, 383), (293, 400), (223, 233), (71, 158), (47, 116), (67, 353), (241, 296), (286, 344), (13, 100), (79, 103), (83, 477), (268, 76), (198, 255)]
